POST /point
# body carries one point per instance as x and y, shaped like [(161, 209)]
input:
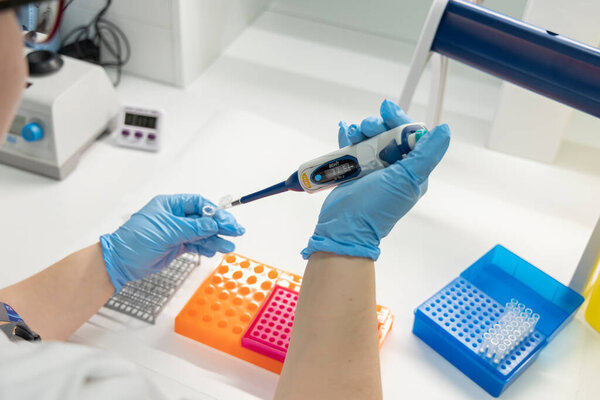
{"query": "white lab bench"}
[(270, 102)]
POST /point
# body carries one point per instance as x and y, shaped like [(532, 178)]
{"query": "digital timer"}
[(139, 128)]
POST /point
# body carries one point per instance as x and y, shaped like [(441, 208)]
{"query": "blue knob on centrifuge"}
[(32, 132)]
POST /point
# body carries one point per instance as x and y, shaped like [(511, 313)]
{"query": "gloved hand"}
[(358, 214), (165, 228)]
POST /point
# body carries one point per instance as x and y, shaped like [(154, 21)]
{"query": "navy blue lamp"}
[(536, 59)]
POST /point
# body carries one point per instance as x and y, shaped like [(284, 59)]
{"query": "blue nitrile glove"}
[(358, 214), (165, 228)]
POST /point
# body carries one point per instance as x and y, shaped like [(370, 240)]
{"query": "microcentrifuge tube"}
[(483, 347), (209, 210), (518, 336), (486, 342), (515, 325), (500, 353), (493, 347), (512, 341), (535, 317), (225, 202)]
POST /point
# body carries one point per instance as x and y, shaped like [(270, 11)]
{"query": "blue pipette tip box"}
[(453, 320)]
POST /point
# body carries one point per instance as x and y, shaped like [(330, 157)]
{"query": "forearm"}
[(333, 353), (58, 300)]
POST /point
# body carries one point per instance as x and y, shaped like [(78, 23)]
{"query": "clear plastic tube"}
[(209, 210), (485, 343), (500, 353), (509, 345), (515, 324), (535, 318), (518, 336), (494, 342)]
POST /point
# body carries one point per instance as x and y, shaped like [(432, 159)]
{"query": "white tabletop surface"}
[(270, 102)]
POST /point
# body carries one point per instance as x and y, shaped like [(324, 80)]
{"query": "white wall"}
[(403, 19), (148, 25), (172, 40), (583, 129), (529, 125), (208, 27), (397, 19)]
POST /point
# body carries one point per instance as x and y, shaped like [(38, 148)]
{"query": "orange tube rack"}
[(226, 304)]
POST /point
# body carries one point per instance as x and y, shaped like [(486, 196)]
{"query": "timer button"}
[(32, 132), (139, 135), (125, 132), (151, 136)]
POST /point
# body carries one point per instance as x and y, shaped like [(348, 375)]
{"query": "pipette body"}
[(346, 164)]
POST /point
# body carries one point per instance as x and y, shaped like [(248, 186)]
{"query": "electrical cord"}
[(67, 4), (103, 35)]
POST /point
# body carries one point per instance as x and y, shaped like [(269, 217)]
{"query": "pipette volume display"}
[(345, 164)]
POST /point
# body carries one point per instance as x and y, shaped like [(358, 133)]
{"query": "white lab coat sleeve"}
[(67, 371)]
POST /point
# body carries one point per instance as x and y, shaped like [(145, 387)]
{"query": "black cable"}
[(122, 35), (67, 4), (115, 33), (103, 35)]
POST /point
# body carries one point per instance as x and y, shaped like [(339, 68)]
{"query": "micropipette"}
[(345, 164)]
